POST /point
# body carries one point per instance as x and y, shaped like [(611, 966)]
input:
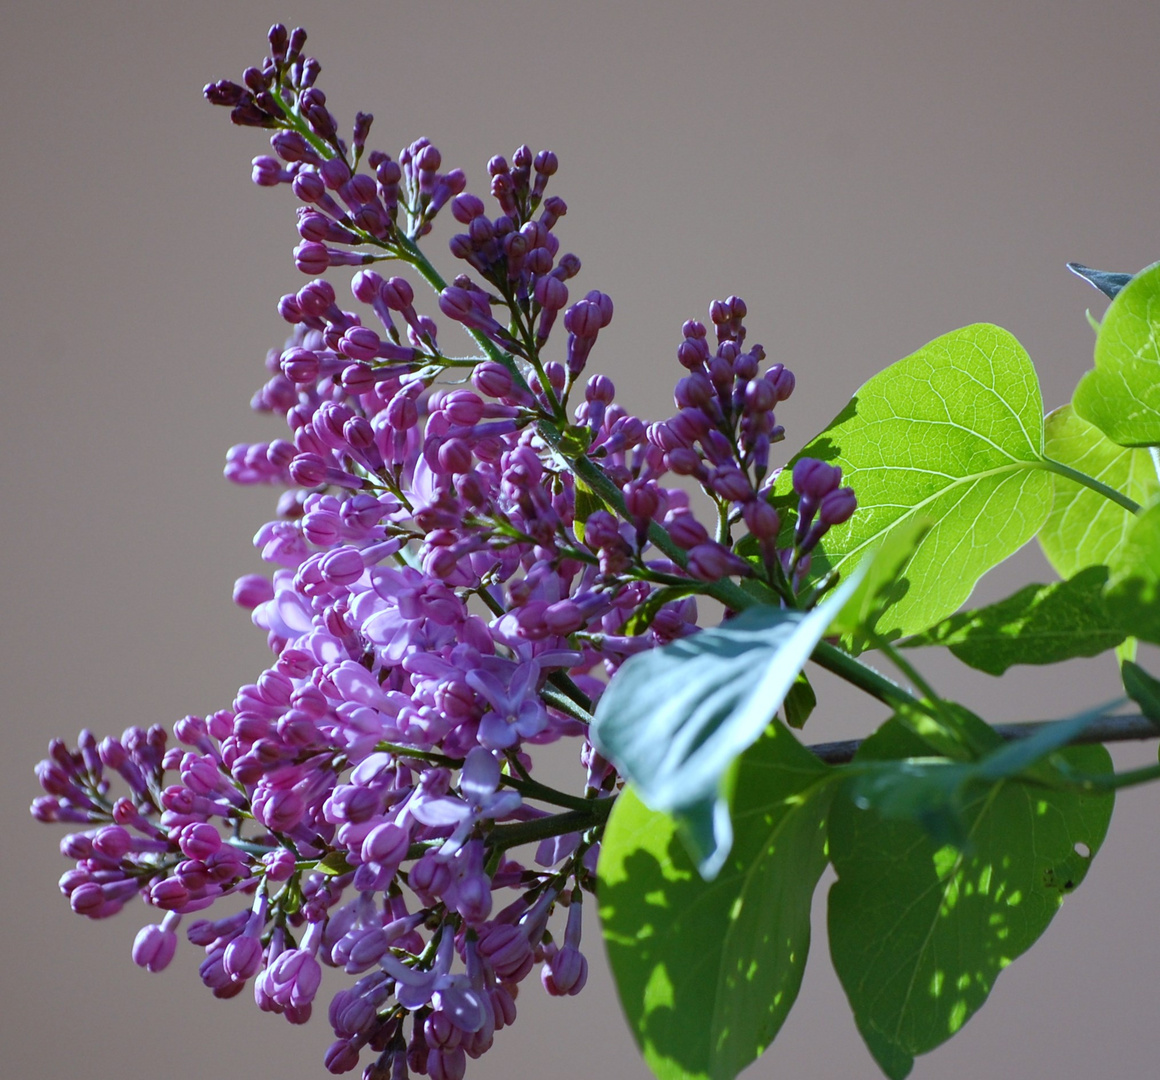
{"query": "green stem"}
[(1118, 497), (1113, 782), (842, 664), (533, 789), (563, 697), (527, 832)]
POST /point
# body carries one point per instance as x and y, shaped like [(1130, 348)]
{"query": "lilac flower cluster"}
[(459, 566)]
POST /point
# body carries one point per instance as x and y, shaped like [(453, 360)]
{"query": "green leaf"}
[(1040, 624), (674, 719), (1142, 689), (1121, 394), (587, 503), (1084, 528), (334, 864), (1133, 589), (708, 971), (919, 931), (642, 618), (953, 433), (800, 702), (881, 584)]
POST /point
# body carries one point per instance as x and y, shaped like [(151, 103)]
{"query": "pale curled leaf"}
[(674, 719)]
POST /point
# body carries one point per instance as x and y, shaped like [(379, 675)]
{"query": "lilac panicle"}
[(444, 595)]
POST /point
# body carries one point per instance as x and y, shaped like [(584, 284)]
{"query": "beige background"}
[(866, 174)]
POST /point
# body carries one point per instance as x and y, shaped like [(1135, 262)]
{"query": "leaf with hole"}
[(919, 930)]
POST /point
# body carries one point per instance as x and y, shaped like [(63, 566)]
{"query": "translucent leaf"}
[(674, 719), (1085, 528), (953, 433), (882, 583), (1134, 583), (1121, 394), (1040, 624), (708, 971), (919, 930)]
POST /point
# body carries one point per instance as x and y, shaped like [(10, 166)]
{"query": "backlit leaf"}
[(1085, 528), (953, 433), (1121, 394)]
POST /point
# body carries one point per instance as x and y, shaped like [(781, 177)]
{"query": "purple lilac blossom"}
[(441, 600)]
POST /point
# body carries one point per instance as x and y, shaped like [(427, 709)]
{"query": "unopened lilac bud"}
[(641, 500), (685, 529), (243, 957), (311, 257), (455, 456), (341, 1056), (308, 186), (730, 483), (837, 507), (761, 519), (224, 92), (783, 381), (600, 388), (300, 365), (583, 319), (684, 461), (268, 172), (760, 395), (447, 1064), (492, 379), (359, 343), (343, 566), (398, 294), (695, 391), (466, 207), (551, 293), (815, 479), (712, 562), (154, 947)]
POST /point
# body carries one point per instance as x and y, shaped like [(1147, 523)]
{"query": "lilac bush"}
[(468, 546)]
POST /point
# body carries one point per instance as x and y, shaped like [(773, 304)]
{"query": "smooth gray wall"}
[(866, 175)]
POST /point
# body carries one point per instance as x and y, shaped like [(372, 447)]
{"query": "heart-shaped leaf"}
[(953, 433), (1085, 528), (919, 930), (708, 971), (1121, 394)]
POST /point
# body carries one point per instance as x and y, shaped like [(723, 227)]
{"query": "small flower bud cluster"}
[(445, 594)]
